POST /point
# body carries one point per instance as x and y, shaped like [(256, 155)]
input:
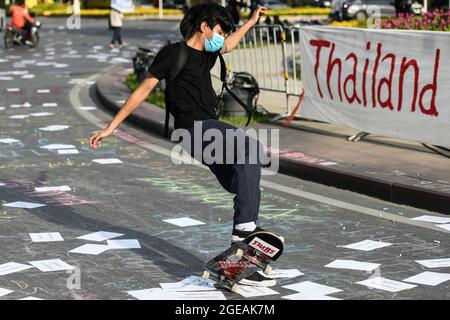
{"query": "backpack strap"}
[(223, 73), (180, 63)]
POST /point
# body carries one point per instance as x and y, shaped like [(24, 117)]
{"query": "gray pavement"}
[(133, 197)]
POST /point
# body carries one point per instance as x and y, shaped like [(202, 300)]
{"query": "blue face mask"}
[(215, 43)]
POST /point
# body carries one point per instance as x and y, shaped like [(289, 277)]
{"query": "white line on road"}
[(75, 101)]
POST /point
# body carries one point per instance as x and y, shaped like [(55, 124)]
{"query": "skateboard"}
[(243, 259)]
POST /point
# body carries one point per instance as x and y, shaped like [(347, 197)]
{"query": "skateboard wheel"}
[(235, 287), (239, 253), (205, 275), (268, 270)]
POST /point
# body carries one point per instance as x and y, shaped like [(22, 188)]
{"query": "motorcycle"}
[(15, 36)]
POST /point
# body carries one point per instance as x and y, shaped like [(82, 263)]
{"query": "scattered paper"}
[(160, 294), (41, 114), (432, 219), (93, 249), (193, 283), (282, 273), (4, 292), (51, 265), (68, 151), (51, 189), (24, 205), (2, 184), (386, 284), (435, 263), (249, 292), (429, 278), (100, 236), (19, 116), (50, 104), (58, 146), (107, 161), (6, 78), (31, 298), (9, 140), (312, 288), (12, 89), (353, 265), (307, 296), (367, 245), (444, 226), (12, 267), (46, 237), (43, 91), (28, 76), (87, 108), (184, 222), (54, 128), (124, 244)]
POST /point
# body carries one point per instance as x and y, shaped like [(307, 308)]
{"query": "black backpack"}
[(179, 66)]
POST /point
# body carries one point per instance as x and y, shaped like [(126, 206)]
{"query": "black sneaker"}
[(239, 235), (258, 280)]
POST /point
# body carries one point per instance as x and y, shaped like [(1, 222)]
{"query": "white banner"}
[(385, 82)]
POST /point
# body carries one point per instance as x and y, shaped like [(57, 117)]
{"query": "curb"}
[(110, 88)]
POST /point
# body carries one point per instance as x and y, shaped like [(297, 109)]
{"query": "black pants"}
[(27, 28), (117, 37), (241, 179)]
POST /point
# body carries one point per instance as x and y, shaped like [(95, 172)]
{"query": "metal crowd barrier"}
[(271, 54), (2, 19)]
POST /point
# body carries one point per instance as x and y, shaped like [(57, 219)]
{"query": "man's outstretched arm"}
[(233, 40)]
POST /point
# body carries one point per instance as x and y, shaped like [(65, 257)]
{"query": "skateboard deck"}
[(244, 258)]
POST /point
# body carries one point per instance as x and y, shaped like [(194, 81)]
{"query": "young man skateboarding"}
[(193, 103)]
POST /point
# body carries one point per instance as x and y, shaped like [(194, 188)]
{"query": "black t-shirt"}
[(191, 94)]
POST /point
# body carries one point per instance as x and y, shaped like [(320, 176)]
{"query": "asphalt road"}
[(135, 196)]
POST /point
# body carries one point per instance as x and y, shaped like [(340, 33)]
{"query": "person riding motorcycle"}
[(21, 19)]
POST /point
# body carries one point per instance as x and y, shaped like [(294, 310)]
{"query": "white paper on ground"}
[(2, 108), (312, 288), (20, 116), (58, 146), (4, 292), (93, 249), (6, 78), (87, 108), (367, 245), (43, 91), (68, 151), (184, 222), (307, 296), (31, 298), (54, 128), (444, 226), (353, 265), (24, 205), (193, 283), (435, 263), (28, 76), (249, 292), (107, 161), (432, 219), (13, 89), (12, 267), (429, 278), (124, 244), (100, 236), (41, 114), (386, 284), (282, 273), (50, 189), (160, 294), (9, 140), (2, 184), (46, 237), (50, 104), (51, 265)]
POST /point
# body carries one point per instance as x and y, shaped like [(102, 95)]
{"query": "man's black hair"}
[(211, 13), (20, 2)]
